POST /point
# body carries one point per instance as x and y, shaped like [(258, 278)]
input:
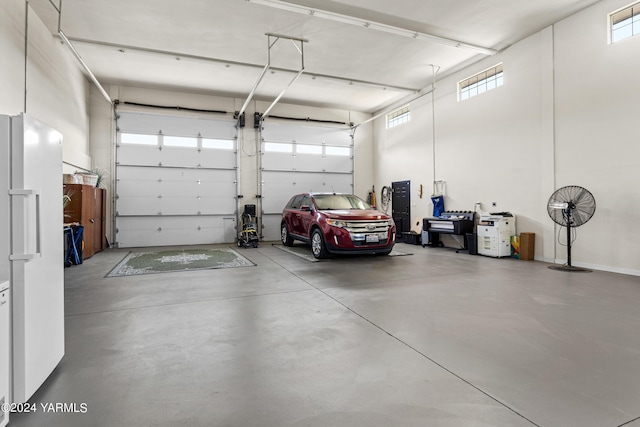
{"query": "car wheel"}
[(286, 238), (318, 248)]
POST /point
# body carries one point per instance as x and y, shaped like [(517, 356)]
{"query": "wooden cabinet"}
[(87, 207)]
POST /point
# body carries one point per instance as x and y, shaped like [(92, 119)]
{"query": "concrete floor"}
[(432, 339)]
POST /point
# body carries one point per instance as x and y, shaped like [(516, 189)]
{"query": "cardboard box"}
[(527, 246)]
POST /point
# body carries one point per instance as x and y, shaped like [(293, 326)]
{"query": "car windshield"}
[(339, 201)]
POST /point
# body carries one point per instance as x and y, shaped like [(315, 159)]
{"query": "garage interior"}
[(192, 112)]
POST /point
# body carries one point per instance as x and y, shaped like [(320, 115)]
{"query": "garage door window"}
[(134, 138), (217, 144), (276, 147), (337, 151), (178, 141), (308, 149)]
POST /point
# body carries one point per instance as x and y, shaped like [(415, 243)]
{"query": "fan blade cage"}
[(580, 206)]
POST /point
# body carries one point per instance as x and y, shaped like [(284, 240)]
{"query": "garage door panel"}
[(196, 206), (211, 158), (196, 158), (199, 189), (167, 231), (323, 182), (279, 187), (279, 132), (278, 161), (338, 164), (306, 162), (339, 183), (175, 205), (131, 154), (139, 205), (138, 188), (218, 205), (153, 124), (185, 183), (180, 205), (180, 157), (174, 174), (271, 226)]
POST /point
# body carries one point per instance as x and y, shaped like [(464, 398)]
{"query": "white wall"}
[(12, 81), (56, 90), (597, 139), (566, 115)]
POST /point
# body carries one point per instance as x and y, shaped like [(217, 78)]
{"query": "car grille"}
[(376, 226), (362, 231)]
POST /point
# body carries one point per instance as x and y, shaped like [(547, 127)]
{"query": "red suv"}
[(336, 223)]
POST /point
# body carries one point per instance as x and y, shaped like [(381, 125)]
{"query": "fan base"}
[(569, 268)]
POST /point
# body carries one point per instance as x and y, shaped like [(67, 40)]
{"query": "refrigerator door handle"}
[(36, 194)]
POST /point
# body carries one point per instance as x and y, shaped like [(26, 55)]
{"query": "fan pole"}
[(568, 212), (568, 266)]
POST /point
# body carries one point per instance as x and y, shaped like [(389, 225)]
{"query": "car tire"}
[(286, 238), (318, 248)]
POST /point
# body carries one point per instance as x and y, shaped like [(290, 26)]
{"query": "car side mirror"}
[(305, 208)]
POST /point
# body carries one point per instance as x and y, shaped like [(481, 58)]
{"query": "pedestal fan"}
[(570, 207)]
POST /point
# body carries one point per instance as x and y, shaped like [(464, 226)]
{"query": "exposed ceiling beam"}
[(347, 19), (124, 48)]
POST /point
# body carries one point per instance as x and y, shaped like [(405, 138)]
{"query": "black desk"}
[(455, 223)]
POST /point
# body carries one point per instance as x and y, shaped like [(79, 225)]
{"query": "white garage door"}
[(298, 159), (175, 180)]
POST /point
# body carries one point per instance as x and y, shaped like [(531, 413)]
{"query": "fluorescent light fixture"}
[(346, 19)]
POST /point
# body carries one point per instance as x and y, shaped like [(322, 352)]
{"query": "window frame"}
[(633, 12), (481, 82), (398, 117)]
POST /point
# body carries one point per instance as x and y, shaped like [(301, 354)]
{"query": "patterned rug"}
[(141, 262)]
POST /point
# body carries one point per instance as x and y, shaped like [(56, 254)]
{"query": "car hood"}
[(355, 214)]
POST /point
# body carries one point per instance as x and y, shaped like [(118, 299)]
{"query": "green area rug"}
[(304, 251), (178, 260)]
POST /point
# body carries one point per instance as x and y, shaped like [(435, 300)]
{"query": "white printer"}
[(494, 233)]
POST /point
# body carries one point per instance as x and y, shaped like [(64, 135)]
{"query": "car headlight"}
[(336, 223)]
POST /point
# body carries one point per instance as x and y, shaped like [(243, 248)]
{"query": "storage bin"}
[(472, 243), (527, 246)]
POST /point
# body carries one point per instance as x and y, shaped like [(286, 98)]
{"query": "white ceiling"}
[(220, 46)]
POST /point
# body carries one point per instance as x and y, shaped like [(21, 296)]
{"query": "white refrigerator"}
[(31, 250)]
